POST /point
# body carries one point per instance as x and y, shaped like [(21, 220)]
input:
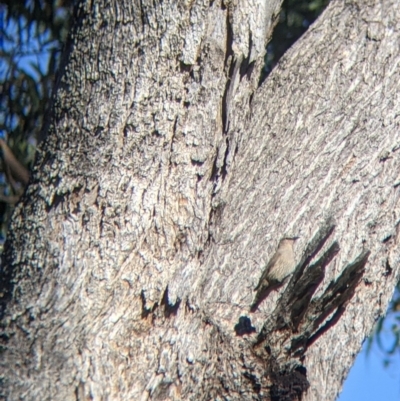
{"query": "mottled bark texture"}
[(165, 183)]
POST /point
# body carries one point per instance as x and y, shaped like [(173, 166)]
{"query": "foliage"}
[(294, 19), (31, 35), (386, 334), (33, 32)]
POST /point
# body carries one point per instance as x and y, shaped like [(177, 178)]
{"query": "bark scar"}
[(302, 319)]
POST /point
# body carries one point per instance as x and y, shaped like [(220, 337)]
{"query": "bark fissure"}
[(301, 317)]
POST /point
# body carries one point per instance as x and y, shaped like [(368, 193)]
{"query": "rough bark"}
[(166, 181)]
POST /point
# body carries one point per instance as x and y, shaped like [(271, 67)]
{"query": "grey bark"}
[(165, 183)]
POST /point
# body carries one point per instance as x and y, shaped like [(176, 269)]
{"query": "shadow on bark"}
[(299, 319)]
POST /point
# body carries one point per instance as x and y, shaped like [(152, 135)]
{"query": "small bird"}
[(278, 268)]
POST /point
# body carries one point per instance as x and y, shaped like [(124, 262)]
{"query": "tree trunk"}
[(165, 183)]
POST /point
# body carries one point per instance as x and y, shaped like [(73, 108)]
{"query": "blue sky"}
[(369, 380)]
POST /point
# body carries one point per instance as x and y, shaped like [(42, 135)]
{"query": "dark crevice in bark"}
[(312, 249), (215, 217), (247, 67), (214, 170), (251, 102), (255, 384), (146, 311), (57, 199), (172, 143), (229, 35), (77, 393), (289, 383), (229, 64), (143, 15), (224, 168), (388, 269), (243, 326), (169, 309), (185, 67), (197, 163), (188, 307), (338, 293), (308, 283), (330, 323), (300, 319)]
